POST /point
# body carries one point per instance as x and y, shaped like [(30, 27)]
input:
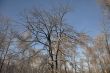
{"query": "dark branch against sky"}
[(86, 15)]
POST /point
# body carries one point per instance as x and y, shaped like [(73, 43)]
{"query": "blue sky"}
[(86, 15)]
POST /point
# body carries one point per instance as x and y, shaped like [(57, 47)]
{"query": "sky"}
[(86, 15)]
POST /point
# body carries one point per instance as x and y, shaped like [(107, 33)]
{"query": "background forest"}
[(45, 43)]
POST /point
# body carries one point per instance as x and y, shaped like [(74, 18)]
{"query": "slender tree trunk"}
[(51, 53), (57, 52), (107, 45), (2, 63)]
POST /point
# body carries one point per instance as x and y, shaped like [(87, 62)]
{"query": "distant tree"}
[(6, 37)]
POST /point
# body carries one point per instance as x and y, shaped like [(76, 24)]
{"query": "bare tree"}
[(49, 29)]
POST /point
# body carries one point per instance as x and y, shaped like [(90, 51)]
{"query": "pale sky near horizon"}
[(86, 15)]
